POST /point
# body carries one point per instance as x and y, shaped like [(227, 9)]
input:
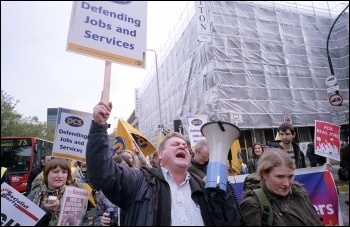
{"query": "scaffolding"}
[(265, 59)]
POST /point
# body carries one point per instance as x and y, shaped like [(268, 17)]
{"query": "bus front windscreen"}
[(15, 155)]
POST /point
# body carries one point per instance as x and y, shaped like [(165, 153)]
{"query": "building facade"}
[(266, 62)]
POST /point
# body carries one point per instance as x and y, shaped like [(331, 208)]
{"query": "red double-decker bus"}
[(20, 155)]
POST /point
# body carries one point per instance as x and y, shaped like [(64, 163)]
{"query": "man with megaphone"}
[(167, 195)]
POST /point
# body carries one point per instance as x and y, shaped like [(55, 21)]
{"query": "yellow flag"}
[(278, 136), (159, 139), (235, 164), (126, 135), (76, 171)]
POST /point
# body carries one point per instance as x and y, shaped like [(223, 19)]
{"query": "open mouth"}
[(180, 155)]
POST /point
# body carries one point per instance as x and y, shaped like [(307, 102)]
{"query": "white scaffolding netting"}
[(264, 60)]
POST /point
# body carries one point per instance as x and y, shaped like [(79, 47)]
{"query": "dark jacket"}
[(344, 156), (253, 164), (295, 206), (200, 169), (143, 193), (32, 175), (298, 154), (314, 159)]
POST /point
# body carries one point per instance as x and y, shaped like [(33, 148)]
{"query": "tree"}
[(10, 119), (13, 123)]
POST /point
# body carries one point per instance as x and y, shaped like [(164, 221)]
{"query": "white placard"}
[(194, 127), (16, 209), (71, 135), (114, 31)]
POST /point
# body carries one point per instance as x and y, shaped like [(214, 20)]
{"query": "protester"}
[(101, 217), (199, 162), (257, 151), (39, 179), (57, 174), (291, 205), (287, 134), (344, 160), (5, 176), (169, 195), (314, 159), (126, 155), (36, 171)]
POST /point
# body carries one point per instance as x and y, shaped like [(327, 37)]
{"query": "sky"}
[(37, 70)]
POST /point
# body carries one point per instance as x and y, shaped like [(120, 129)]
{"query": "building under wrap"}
[(265, 61)]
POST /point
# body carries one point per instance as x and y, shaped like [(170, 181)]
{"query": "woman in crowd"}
[(101, 217), (257, 151), (290, 203), (57, 174)]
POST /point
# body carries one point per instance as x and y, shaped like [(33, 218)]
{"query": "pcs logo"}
[(141, 142), (119, 145), (196, 122), (74, 121), (122, 2)]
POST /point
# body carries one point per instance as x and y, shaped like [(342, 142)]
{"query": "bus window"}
[(19, 157)]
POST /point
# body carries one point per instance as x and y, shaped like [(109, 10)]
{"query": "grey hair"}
[(200, 144)]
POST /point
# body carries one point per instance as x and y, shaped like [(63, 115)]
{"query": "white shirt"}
[(184, 211)]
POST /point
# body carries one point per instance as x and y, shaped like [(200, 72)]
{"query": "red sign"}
[(336, 100), (327, 140)]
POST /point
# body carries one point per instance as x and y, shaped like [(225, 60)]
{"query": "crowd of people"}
[(168, 187)]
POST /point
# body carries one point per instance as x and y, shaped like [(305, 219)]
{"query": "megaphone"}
[(220, 136)]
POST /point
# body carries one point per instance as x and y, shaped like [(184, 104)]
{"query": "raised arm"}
[(116, 181)]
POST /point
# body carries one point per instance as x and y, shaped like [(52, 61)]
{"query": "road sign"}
[(336, 100), (331, 81), (333, 89), (287, 120)]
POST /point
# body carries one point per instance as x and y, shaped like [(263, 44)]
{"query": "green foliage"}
[(14, 124)]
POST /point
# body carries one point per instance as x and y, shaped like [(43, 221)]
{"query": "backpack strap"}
[(265, 206), (198, 171)]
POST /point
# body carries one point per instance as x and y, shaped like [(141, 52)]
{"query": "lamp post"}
[(160, 113)]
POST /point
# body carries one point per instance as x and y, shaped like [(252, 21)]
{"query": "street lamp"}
[(160, 113), (329, 34), (328, 55)]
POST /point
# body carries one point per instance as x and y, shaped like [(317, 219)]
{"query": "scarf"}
[(44, 192)]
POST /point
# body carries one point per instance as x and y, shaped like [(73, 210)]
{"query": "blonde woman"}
[(290, 203)]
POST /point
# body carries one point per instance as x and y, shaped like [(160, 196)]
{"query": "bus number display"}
[(15, 142)]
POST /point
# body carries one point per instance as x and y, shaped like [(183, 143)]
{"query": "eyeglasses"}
[(203, 157)]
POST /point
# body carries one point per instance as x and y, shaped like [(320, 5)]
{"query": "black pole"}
[(328, 55)]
